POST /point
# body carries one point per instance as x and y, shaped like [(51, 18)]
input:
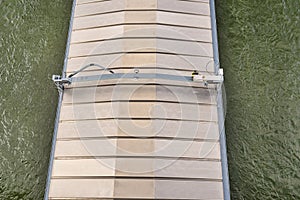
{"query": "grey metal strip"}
[(226, 187), (51, 159), (132, 76)]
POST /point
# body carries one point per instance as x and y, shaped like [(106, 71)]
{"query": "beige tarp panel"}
[(121, 5), (139, 138)]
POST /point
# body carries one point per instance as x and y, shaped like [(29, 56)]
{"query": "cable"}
[(87, 66)]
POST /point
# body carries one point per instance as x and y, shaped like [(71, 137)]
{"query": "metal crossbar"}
[(195, 77)]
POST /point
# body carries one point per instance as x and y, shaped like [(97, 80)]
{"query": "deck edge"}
[(60, 98), (221, 120)]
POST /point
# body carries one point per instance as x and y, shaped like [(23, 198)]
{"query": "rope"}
[(87, 66)]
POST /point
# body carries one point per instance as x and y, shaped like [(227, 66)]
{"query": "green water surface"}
[(32, 43), (259, 49)]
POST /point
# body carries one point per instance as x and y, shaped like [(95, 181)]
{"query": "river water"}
[(32, 44), (259, 50)]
